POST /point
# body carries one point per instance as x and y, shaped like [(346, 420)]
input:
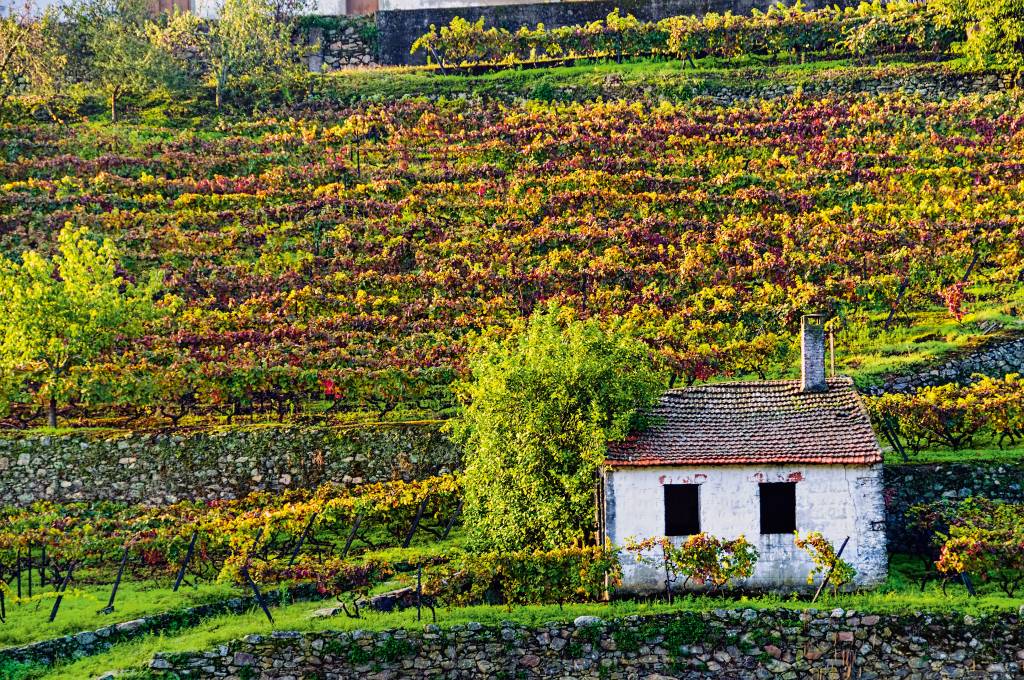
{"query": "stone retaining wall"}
[(907, 485), (401, 22), (746, 643), (87, 643), (343, 42), (162, 467), (996, 359)]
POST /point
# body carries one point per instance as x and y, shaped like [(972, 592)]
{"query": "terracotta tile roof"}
[(753, 422)]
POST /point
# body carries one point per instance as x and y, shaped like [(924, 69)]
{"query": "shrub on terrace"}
[(582, 574), (994, 29), (62, 313), (539, 411), (954, 416), (986, 539)]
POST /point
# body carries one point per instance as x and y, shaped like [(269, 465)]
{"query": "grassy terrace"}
[(982, 454), (27, 623), (673, 79), (900, 593), (595, 79)]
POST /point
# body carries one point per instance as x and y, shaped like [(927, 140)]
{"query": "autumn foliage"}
[(328, 268)]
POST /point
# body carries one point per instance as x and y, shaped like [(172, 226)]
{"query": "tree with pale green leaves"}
[(994, 30), (62, 313), (119, 55), (32, 62), (249, 40), (539, 410)]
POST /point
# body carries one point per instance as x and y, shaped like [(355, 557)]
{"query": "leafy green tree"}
[(248, 40), (994, 28), (63, 312), (540, 409), (119, 54), (31, 61)]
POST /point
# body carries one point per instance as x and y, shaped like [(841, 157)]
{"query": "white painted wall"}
[(210, 9), (837, 500), (449, 4)]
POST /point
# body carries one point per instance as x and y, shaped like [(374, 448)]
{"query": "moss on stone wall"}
[(208, 464), (745, 643)]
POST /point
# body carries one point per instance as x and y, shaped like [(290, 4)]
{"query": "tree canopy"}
[(62, 312), (994, 30), (250, 40), (540, 409)]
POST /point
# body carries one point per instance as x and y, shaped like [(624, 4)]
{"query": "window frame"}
[(672, 521), (775, 520)]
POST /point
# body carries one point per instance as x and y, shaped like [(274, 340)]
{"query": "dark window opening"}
[(682, 509), (778, 508)]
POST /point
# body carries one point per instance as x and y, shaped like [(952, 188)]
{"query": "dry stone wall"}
[(996, 359), (166, 467), (401, 22), (907, 485), (748, 643), (341, 42)]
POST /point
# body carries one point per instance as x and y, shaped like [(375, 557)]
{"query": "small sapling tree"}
[(119, 55), (540, 408), (829, 567), (31, 60), (63, 312), (250, 40)]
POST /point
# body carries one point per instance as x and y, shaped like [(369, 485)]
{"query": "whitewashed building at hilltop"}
[(761, 459)]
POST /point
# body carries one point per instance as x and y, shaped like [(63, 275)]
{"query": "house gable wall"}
[(837, 500)]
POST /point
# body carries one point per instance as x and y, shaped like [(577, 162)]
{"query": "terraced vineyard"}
[(343, 260)]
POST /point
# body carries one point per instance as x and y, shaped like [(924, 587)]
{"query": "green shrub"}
[(556, 576), (994, 29), (540, 410)]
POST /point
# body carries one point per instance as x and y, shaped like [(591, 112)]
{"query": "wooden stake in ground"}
[(352, 535), (117, 582), (61, 590), (184, 563), (302, 540), (415, 523), (256, 591)]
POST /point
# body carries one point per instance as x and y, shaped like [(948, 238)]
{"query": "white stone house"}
[(761, 459)]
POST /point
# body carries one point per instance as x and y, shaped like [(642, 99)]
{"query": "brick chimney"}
[(812, 353)]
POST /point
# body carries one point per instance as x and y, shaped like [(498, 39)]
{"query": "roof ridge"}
[(781, 382)]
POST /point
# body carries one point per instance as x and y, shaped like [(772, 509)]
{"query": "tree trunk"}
[(51, 412), (113, 107), (217, 98)]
